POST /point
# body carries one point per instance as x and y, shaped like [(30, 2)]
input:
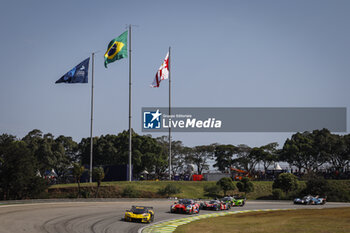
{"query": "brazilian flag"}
[(117, 49)]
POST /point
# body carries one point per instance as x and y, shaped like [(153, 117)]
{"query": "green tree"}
[(286, 182), (307, 150), (296, 150), (33, 139), (5, 141), (246, 158), (269, 155), (18, 172), (98, 175), (179, 153), (226, 184), (180, 156), (245, 185), (148, 154), (224, 156), (64, 152), (77, 172), (337, 150), (200, 156), (151, 155), (105, 151), (52, 153), (321, 147), (69, 145)]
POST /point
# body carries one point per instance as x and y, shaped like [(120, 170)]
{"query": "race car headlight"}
[(145, 215)]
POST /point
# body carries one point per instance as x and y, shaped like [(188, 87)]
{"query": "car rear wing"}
[(146, 207)]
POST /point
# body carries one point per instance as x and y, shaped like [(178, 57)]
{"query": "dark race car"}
[(229, 201), (310, 200), (187, 206), (215, 205)]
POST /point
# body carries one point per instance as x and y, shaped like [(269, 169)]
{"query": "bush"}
[(212, 191), (226, 184), (130, 191), (245, 185), (332, 190), (85, 193), (338, 193), (317, 186), (286, 182), (277, 194), (37, 187), (169, 190)]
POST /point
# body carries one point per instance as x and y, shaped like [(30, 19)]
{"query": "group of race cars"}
[(190, 206), (145, 214)]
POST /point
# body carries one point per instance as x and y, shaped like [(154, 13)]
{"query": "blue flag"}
[(78, 74)]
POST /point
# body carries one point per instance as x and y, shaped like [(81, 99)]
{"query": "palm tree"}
[(98, 174), (78, 171)]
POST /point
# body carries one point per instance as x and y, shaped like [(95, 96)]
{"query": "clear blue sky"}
[(224, 54)]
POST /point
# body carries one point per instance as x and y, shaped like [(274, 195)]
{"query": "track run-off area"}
[(105, 216)]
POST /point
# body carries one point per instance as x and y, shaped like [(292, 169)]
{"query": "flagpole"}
[(92, 112), (170, 168), (130, 134)]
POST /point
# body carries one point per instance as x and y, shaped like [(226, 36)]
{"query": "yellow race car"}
[(139, 214)]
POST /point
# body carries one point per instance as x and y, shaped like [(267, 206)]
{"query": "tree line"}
[(24, 161), (308, 152)]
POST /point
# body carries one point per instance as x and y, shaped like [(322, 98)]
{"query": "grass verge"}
[(189, 189), (149, 189), (335, 220)]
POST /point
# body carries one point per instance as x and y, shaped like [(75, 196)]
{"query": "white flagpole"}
[(170, 168), (130, 134), (92, 113)]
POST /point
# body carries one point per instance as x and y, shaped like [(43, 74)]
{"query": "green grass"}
[(305, 220), (189, 189), (149, 189), (261, 189)]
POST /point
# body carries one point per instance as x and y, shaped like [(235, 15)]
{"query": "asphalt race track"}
[(102, 216)]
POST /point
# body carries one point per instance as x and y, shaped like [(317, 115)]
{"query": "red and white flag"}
[(162, 73)]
